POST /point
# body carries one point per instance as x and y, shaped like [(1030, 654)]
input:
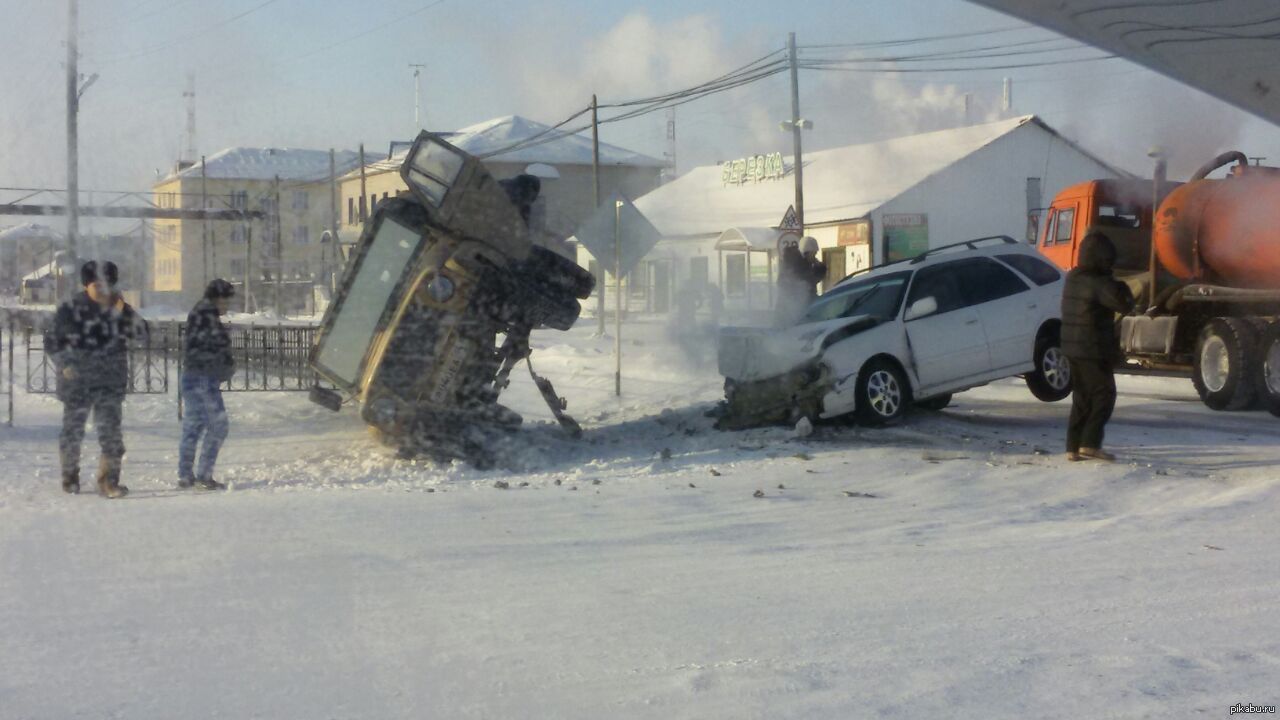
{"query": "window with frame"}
[(942, 283), (239, 199), (237, 266), (300, 199), (1039, 271), (1064, 225), (351, 211), (984, 280), (238, 234), (301, 235)]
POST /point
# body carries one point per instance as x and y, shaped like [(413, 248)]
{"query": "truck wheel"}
[(1222, 371), (1269, 380), (882, 393), (935, 403), (1051, 380)]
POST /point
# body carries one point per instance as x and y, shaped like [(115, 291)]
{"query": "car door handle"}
[(1033, 306), (974, 321)]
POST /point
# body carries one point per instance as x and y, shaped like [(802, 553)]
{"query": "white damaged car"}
[(910, 332)]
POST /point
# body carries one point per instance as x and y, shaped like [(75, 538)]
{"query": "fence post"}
[(10, 380)]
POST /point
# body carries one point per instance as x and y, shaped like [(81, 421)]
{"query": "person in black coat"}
[(1091, 297), (89, 346), (207, 363)]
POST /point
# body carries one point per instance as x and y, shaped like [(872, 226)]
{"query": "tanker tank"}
[(1224, 232)]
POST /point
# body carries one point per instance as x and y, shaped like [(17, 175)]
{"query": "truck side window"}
[(1062, 231)]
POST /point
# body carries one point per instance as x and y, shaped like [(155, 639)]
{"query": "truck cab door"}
[(1059, 241)]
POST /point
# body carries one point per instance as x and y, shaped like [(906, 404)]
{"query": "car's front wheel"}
[(882, 393), (1050, 381)]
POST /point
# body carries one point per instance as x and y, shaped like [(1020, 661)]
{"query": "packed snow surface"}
[(953, 566)]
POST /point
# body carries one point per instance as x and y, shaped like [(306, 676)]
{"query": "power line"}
[(178, 41), (370, 31)]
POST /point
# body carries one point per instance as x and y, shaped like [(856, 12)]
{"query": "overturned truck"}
[(438, 276)]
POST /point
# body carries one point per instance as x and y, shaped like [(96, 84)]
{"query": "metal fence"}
[(149, 364), (269, 358)]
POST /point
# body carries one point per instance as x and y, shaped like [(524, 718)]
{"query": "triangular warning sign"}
[(790, 221)]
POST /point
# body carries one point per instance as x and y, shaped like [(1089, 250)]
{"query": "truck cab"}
[(1122, 209)]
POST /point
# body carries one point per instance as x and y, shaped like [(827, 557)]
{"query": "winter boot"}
[(186, 482), (71, 482), (1097, 454), (208, 483), (109, 479)]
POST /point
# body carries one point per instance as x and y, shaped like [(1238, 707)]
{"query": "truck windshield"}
[(347, 339)]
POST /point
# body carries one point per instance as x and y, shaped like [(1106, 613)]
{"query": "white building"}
[(865, 204)]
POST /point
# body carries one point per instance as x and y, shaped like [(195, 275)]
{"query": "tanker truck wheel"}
[(1226, 352), (1269, 385)]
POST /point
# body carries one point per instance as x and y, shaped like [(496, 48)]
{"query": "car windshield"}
[(875, 297)]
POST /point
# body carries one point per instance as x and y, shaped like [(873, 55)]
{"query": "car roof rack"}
[(970, 244)]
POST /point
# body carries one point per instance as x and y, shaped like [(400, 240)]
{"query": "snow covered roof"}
[(29, 231), (249, 163), (840, 184), (483, 138)]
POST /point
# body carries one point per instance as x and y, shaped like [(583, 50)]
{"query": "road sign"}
[(790, 221), (635, 234)]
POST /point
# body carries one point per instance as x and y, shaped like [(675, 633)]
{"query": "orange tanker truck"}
[(1203, 260)]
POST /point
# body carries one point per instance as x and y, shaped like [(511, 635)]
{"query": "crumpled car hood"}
[(747, 354)]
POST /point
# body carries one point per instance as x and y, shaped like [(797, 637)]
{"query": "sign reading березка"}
[(753, 169)]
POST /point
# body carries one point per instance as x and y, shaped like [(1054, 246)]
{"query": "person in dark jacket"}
[(207, 363), (89, 346), (799, 272), (1091, 297), (814, 270)]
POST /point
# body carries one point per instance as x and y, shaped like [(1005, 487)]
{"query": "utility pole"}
[(601, 281), (204, 205), (73, 147), (248, 268), (331, 253), (279, 246), (363, 215), (617, 298), (671, 144), (796, 125), (417, 94)]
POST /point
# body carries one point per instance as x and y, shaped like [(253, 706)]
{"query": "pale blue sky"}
[(315, 73)]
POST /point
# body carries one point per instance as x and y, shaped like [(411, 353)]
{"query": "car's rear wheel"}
[(882, 393), (935, 403), (1051, 379), (1225, 354)]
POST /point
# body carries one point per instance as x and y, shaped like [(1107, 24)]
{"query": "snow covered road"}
[(953, 566)]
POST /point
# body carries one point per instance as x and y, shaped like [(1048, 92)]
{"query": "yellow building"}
[(563, 163), (279, 257)]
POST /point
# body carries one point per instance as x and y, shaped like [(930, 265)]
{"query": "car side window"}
[(940, 282), (985, 280), (1040, 272)]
